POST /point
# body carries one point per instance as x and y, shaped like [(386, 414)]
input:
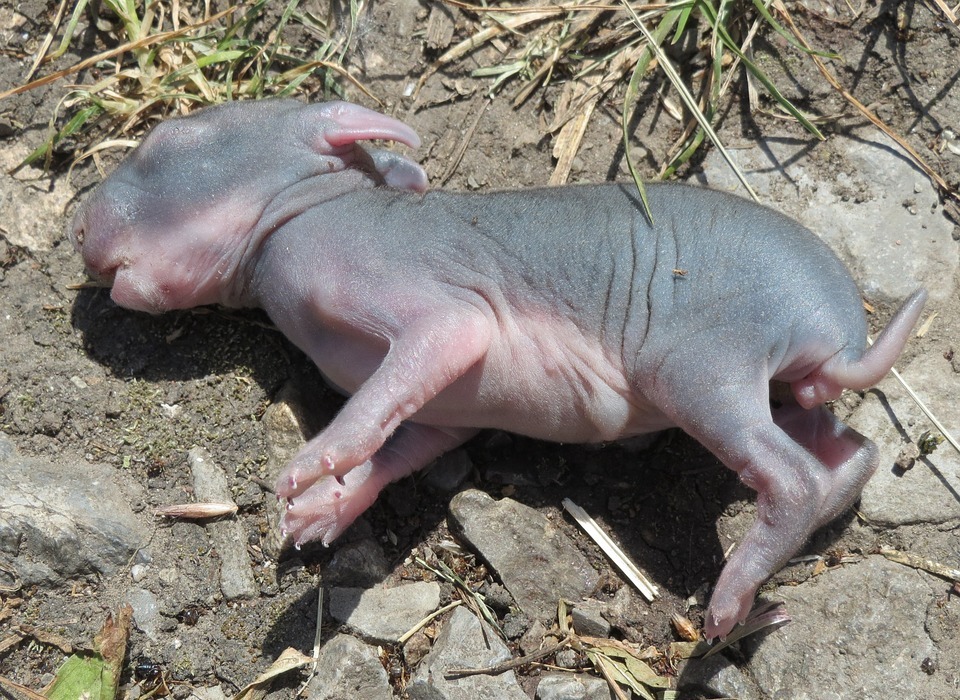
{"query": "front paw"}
[(727, 609)]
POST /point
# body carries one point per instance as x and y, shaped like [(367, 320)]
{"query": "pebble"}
[(536, 561), (384, 614), (75, 518)]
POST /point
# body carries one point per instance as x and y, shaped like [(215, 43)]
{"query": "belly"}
[(548, 382)]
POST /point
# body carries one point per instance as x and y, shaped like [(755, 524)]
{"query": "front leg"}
[(328, 508), (429, 356)]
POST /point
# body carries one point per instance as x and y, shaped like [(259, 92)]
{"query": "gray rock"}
[(384, 614), (282, 423), (465, 642), (227, 536), (349, 670), (857, 632), (588, 619), (927, 492), (536, 562), (146, 611), (570, 686), (213, 692), (63, 520), (567, 658), (32, 221), (877, 210), (360, 564), (716, 676)]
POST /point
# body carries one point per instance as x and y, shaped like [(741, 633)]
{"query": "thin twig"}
[(464, 142), (510, 664), (916, 562)]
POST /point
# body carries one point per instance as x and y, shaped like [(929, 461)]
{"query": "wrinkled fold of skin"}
[(558, 313)]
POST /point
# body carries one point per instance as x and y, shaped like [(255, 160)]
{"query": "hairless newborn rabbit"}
[(559, 313)]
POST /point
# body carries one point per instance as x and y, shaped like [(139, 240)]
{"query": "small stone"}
[(537, 563), (567, 658), (348, 668), (210, 485), (383, 615), (570, 686), (588, 619), (357, 564), (73, 515), (464, 642)]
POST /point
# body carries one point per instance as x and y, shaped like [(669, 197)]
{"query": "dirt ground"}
[(83, 380)]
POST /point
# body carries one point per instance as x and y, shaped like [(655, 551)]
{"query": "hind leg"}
[(729, 413), (849, 457)]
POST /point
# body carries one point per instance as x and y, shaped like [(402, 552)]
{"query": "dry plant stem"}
[(426, 621), (510, 664), (48, 40), (926, 411), (913, 561), (129, 46), (923, 407), (475, 41), (610, 548), (336, 67), (24, 691), (619, 67), (523, 16), (945, 188), (951, 15), (571, 135)]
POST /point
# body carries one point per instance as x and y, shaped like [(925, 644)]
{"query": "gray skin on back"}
[(558, 313)]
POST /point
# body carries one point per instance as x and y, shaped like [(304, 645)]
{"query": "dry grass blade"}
[(553, 8), (426, 621), (950, 14), (289, 660), (926, 411), (510, 664), (571, 135), (157, 71), (609, 547), (923, 407), (916, 562), (772, 615), (479, 39), (471, 598)]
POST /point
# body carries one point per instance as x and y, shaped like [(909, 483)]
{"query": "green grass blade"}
[(765, 13), (666, 24), (710, 14), (45, 149)]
